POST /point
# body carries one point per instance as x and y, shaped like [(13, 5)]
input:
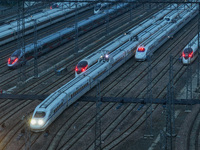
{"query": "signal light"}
[(141, 49), (83, 69), (183, 54), (76, 69), (191, 54), (8, 60)]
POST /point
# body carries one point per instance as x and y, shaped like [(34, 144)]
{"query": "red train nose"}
[(12, 60)]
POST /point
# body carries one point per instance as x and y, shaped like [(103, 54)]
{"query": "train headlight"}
[(106, 56), (40, 122), (33, 121)]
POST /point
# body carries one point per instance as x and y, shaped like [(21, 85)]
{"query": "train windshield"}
[(82, 64), (188, 50), (39, 114), (16, 53)]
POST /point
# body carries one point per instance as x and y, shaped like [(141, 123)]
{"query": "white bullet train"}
[(48, 43), (99, 7), (8, 32), (48, 110), (150, 45), (150, 26), (190, 52)]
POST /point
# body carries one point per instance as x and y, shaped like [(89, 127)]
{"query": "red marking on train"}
[(141, 49)]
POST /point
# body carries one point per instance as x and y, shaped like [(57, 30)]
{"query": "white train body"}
[(51, 108), (150, 45), (130, 35), (87, 62), (47, 43), (190, 52), (58, 101), (174, 15), (43, 19)]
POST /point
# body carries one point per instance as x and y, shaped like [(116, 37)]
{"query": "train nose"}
[(140, 56), (78, 70), (12, 60)]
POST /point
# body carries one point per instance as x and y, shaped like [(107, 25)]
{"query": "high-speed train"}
[(150, 26), (190, 52), (8, 32), (149, 46), (87, 62), (172, 17), (99, 7), (47, 43), (48, 110)]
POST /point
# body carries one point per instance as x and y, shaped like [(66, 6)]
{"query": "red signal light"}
[(141, 49)]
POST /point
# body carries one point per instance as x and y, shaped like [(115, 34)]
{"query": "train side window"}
[(39, 114)]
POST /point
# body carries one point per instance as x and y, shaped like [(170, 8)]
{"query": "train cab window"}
[(39, 114), (16, 53), (82, 64)]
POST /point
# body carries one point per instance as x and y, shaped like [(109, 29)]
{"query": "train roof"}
[(55, 95)]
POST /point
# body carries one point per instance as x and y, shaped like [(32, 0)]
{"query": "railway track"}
[(19, 126), (74, 125), (51, 59), (11, 14), (141, 118), (194, 139), (188, 134), (8, 49), (61, 53)]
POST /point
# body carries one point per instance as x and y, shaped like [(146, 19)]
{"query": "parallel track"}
[(19, 126)]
